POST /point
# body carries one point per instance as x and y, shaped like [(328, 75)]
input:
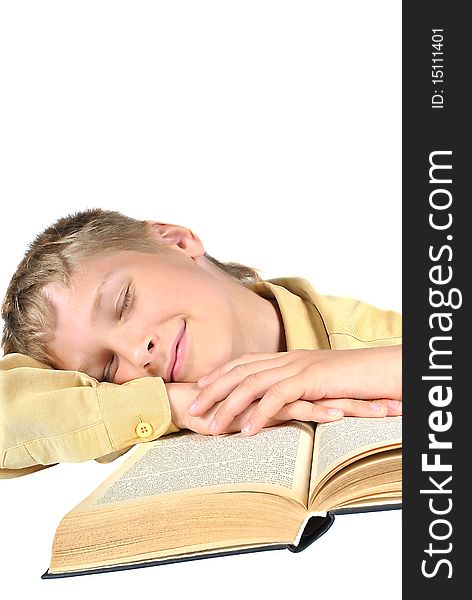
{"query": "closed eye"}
[(106, 374), (125, 306), (126, 301)]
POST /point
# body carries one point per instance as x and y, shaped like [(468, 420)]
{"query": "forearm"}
[(379, 373), (339, 380), (50, 416)]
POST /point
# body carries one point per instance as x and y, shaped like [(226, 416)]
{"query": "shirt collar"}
[(302, 325)]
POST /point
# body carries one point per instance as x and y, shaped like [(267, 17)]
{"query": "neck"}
[(257, 320), (260, 323)]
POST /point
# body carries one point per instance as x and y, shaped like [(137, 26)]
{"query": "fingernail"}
[(193, 406), (333, 411), (394, 404), (212, 425), (376, 405), (247, 428), (201, 381)]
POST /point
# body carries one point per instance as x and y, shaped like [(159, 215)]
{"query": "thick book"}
[(188, 496)]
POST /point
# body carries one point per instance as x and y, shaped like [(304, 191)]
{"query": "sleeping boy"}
[(118, 331)]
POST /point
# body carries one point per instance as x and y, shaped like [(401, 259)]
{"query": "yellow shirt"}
[(49, 416)]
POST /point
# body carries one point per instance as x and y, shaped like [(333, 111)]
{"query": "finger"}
[(253, 387), (395, 408), (281, 393), (358, 408), (304, 410), (366, 408), (300, 410), (200, 424), (224, 385), (286, 392), (244, 359)]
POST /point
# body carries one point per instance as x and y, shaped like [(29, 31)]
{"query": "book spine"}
[(313, 527)]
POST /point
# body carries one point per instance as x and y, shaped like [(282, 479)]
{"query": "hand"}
[(182, 394), (329, 379)]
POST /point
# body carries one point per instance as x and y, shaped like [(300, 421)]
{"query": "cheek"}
[(217, 338), (196, 293), (211, 339), (125, 373)]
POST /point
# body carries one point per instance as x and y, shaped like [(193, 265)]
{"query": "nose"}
[(144, 352), (137, 357)]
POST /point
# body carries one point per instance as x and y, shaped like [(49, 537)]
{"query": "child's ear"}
[(176, 235)]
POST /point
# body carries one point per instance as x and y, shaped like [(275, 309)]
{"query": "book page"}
[(276, 460), (338, 441)]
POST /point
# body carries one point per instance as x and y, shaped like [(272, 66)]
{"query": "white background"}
[(273, 130)]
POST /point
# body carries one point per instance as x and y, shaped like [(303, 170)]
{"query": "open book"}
[(188, 496)]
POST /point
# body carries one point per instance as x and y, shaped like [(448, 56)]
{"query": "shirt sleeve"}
[(49, 416)]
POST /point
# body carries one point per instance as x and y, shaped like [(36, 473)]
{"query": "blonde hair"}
[(52, 257)]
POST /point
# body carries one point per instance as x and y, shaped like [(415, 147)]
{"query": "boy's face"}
[(131, 315)]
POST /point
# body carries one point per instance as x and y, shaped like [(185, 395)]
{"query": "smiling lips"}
[(178, 354)]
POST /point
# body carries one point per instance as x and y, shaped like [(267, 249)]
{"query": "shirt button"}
[(143, 430)]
